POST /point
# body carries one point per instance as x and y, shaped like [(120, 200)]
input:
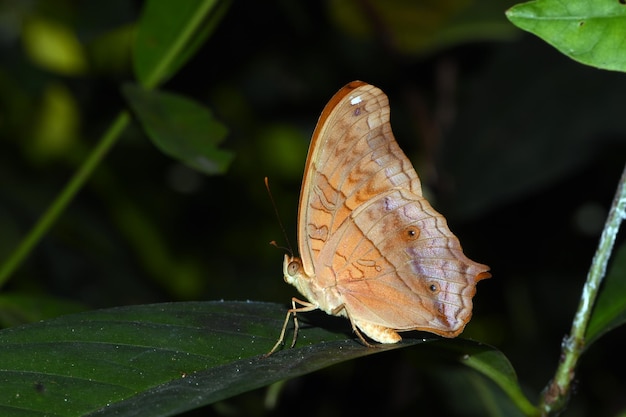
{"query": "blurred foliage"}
[(181, 129), (412, 27), (518, 146)]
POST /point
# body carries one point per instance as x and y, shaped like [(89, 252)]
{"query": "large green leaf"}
[(155, 360), (590, 32), (610, 309), (163, 359), (169, 33), (181, 128)]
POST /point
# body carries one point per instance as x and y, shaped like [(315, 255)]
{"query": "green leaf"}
[(610, 309), (491, 363), (158, 360), (468, 393), (169, 33), (181, 128), (164, 359), (590, 32), (495, 366)]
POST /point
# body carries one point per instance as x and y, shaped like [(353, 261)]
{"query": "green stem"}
[(63, 199), (160, 71), (554, 396)]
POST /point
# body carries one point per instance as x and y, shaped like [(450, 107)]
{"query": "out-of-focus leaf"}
[(283, 147), (590, 32), (610, 309), (53, 46), (111, 52), (56, 128), (169, 33), (181, 128), (425, 26)]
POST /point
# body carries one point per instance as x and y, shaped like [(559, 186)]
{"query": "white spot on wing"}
[(355, 100)]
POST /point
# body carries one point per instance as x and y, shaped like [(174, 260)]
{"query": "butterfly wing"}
[(343, 167), (367, 237), (408, 271)]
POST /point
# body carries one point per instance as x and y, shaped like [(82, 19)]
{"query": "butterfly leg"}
[(341, 311), (306, 306), (361, 338)]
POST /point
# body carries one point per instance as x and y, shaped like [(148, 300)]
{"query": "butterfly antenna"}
[(282, 227)]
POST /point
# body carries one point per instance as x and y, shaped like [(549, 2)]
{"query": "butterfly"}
[(372, 248)]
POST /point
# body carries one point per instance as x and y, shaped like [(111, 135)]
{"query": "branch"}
[(556, 393)]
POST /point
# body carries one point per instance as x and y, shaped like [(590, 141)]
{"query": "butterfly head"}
[(294, 274), (292, 269)]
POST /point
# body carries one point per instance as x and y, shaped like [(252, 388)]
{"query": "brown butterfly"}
[(372, 249)]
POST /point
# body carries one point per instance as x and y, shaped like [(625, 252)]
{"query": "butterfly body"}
[(372, 248)]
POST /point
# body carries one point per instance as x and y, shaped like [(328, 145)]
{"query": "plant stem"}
[(554, 396), (64, 198), (185, 36)]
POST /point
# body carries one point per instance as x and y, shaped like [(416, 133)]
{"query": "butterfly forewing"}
[(352, 158)]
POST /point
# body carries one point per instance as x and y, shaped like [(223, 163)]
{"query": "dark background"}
[(518, 146)]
